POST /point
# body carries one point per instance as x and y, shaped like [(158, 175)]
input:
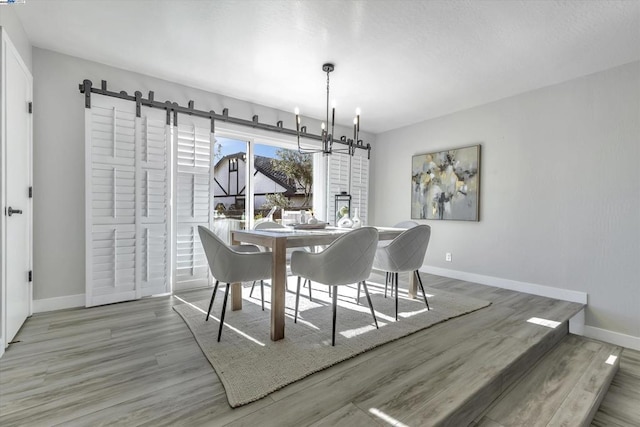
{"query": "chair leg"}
[(386, 282), (358, 297), (295, 318), (213, 297), (366, 291), (335, 305), (310, 299), (424, 294), (252, 286), (396, 280), (224, 309), (261, 292)]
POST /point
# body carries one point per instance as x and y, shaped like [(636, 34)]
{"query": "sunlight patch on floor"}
[(544, 322), (386, 418), (226, 325)]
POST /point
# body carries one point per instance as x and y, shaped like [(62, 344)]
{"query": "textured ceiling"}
[(400, 61)]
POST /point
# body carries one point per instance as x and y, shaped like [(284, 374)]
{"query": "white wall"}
[(12, 25), (59, 230), (560, 191)]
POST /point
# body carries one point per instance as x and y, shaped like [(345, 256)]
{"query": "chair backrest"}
[(407, 251), (406, 224), (230, 266), (345, 261), (267, 224)]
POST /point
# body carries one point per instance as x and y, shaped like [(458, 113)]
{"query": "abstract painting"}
[(446, 184)]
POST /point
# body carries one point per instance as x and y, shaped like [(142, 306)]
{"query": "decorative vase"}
[(357, 222), (312, 220), (345, 222), (303, 217)]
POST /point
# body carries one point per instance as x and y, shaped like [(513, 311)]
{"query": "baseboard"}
[(576, 324), (1, 346), (623, 340), (513, 285), (58, 303)]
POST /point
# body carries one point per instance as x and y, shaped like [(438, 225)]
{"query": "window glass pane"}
[(229, 186), (283, 182)]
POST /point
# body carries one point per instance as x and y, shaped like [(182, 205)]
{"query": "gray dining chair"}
[(345, 261), (231, 265), (402, 224), (405, 253)]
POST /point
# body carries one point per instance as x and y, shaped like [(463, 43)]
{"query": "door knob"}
[(11, 211)]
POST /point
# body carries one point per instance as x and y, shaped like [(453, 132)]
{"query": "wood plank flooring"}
[(563, 388), (137, 363), (621, 405)]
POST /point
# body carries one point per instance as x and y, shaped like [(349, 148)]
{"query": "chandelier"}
[(327, 138)]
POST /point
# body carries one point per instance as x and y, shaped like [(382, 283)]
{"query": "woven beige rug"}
[(251, 366)]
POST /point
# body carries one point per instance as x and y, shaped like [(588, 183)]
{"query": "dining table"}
[(278, 240)]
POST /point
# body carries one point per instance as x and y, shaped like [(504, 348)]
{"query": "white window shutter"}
[(360, 187), (337, 181), (154, 142), (350, 174), (111, 201), (193, 142)]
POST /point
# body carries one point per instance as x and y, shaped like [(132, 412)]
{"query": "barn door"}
[(193, 142), (110, 132), (154, 145)]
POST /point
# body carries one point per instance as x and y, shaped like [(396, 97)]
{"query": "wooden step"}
[(564, 388)]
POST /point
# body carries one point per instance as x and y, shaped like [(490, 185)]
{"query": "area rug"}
[(250, 365)]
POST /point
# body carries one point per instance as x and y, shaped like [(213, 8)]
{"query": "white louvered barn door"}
[(154, 144), (193, 142), (337, 181), (110, 167), (341, 167), (360, 187)]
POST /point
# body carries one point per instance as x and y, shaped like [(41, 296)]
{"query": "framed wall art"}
[(446, 184)]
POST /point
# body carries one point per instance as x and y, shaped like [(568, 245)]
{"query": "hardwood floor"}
[(621, 405), (136, 363)]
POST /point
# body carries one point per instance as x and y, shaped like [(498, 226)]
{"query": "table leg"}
[(236, 296), (236, 291), (413, 285), (278, 287)]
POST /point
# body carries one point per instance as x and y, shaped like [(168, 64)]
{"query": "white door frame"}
[(5, 47)]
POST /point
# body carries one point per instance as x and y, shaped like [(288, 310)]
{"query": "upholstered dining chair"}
[(230, 265), (405, 253), (402, 224), (345, 261)]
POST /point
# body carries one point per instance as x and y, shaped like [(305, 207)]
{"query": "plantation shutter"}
[(110, 171), (350, 174), (360, 187), (153, 238), (337, 181), (193, 142)]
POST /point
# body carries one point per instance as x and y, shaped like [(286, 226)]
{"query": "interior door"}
[(16, 89)]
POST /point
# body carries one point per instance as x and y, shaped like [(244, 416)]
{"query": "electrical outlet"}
[(447, 257)]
